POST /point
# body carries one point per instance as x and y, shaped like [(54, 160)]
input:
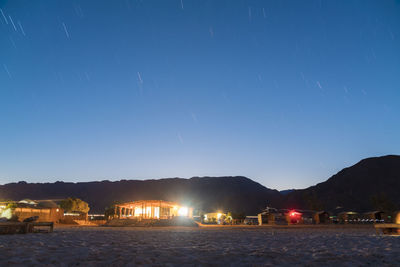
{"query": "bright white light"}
[(138, 211), (219, 215), (148, 212), (183, 211), (7, 213)]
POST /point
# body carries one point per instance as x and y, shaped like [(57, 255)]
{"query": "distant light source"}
[(138, 211), (219, 215), (183, 211), (294, 213), (7, 213)]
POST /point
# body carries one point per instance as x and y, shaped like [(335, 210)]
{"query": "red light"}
[(294, 213)]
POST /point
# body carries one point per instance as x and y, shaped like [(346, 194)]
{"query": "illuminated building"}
[(152, 209), (45, 210)]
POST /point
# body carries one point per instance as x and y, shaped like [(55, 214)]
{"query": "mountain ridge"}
[(372, 183), (235, 193)]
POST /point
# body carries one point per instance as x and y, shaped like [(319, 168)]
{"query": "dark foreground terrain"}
[(94, 246)]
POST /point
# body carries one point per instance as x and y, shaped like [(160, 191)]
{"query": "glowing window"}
[(157, 212), (138, 211), (148, 211)]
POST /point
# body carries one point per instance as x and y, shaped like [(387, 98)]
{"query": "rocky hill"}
[(371, 184), (236, 194)]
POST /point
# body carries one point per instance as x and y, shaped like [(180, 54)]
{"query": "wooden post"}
[(25, 228)]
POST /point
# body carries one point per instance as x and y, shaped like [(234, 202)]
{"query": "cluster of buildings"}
[(275, 216), (158, 209), (50, 211)]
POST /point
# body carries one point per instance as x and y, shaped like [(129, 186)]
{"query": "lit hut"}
[(45, 211)]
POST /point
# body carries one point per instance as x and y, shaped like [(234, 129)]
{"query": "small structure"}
[(46, 211), (266, 218), (294, 217), (346, 217), (251, 220), (390, 228), (374, 217), (321, 217), (307, 217), (151, 209), (272, 216)]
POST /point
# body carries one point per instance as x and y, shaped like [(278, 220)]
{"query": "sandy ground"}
[(100, 246)]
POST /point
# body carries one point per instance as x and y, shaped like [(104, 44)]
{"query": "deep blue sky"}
[(284, 92)]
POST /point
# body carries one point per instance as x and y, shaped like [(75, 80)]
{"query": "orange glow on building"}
[(152, 209)]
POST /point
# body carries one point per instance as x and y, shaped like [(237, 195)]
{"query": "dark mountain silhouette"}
[(371, 184), (235, 194), (287, 191)]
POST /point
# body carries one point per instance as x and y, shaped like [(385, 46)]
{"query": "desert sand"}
[(235, 246)]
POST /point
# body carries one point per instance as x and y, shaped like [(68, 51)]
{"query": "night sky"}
[(286, 93)]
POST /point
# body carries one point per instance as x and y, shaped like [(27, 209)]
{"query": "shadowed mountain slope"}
[(237, 194), (371, 184)]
